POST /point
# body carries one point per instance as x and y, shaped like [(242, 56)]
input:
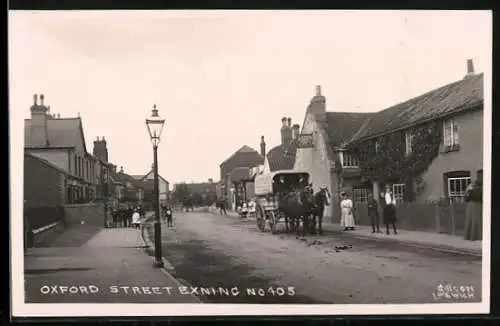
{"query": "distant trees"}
[(181, 191)]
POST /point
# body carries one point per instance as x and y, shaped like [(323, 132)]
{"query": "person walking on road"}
[(389, 210), (373, 213), (169, 217), (222, 206), (347, 215), (474, 209), (136, 218)]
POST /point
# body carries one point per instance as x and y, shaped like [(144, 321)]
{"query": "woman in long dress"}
[(347, 216), (474, 209)]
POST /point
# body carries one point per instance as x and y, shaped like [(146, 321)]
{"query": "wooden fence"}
[(431, 217)]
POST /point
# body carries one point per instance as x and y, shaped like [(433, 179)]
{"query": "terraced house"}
[(427, 148), (60, 141)]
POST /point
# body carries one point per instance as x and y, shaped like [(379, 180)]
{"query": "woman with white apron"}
[(347, 216)]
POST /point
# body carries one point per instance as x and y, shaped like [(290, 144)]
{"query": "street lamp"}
[(155, 127)]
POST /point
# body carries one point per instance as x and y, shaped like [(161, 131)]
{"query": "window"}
[(348, 160), (409, 136), (457, 187), (360, 194), (377, 146), (450, 133), (398, 190)]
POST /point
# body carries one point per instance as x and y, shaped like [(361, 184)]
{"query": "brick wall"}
[(43, 184), (88, 213)]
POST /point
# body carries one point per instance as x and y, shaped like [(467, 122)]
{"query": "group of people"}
[(127, 217), (388, 201)]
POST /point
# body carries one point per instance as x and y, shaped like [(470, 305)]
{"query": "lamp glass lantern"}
[(155, 126)]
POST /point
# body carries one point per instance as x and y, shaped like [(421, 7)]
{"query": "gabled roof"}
[(62, 132), (244, 151), (461, 95), (244, 157), (282, 157), (341, 126), (144, 177)]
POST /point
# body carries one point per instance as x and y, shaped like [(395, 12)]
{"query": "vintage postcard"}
[(198, 163)]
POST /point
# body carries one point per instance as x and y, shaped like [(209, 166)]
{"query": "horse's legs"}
[(286, 224), (320, 223)]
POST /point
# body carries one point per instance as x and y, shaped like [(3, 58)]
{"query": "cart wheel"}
[(261, 221), (273, 221)]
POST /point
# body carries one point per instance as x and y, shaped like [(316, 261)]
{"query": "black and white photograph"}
[(216, 163)]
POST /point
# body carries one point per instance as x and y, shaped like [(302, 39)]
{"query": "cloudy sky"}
[(222, 79)]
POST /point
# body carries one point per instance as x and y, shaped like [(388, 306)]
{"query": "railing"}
[(439, 217)]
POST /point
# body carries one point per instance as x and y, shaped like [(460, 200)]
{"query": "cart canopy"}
[(280, 181)]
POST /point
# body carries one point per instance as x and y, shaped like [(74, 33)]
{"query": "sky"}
[(221, 79)]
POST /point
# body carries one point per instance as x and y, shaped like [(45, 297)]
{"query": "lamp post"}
[(155, 127)]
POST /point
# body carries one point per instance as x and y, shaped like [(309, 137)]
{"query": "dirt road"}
[(212, 252)]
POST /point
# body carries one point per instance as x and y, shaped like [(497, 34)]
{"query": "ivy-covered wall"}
[(385, 159)]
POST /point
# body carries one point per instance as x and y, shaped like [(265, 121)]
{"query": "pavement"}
[(428, 240), (111, 267)]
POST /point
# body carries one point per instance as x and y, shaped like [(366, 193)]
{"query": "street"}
[(226, 260)]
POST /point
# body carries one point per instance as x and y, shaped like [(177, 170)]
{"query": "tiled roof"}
[(64, 132), (282, 158), (341, 126), (244, 157), (460, 95)]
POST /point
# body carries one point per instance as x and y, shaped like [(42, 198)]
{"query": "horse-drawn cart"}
[(270, 189)]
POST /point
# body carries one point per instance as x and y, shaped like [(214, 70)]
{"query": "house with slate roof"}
[(458, 107), (236, 180), (325, 137), (147, 182), (61, 142)]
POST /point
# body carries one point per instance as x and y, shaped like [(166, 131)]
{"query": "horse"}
[(297, 206), (320, 201)]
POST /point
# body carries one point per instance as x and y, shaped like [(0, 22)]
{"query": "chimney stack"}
[(38, 130), (41, 99), (470, 67), (262, 146), (296, 131), (317, 106)]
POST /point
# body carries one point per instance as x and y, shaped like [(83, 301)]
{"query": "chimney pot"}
[(318, 90), (289, 120), (41, 99), (58, 116), (35, 99), (470, 67)]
